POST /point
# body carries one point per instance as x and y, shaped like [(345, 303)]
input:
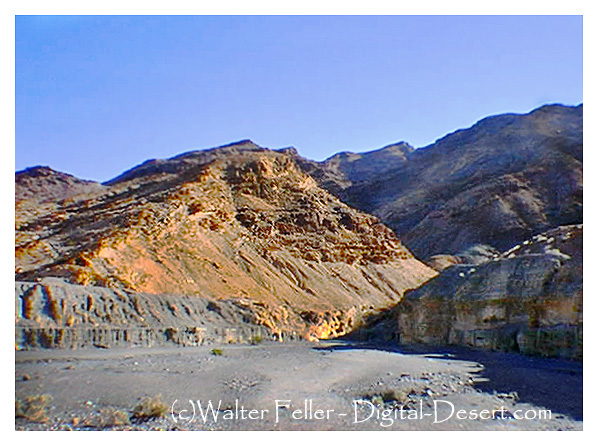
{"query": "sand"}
[(301, 386)]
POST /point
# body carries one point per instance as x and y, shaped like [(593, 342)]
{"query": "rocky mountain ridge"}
[(498, 182), (43, 184), (344, 169)]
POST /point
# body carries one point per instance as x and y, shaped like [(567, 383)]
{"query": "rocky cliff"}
[(238, 222), (54, 314), (528, 299)]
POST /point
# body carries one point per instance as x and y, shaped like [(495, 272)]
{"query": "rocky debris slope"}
[(528, 299), (499, 182), (237, 222)]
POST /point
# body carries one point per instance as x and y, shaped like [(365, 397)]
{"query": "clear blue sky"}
[(96, 95)]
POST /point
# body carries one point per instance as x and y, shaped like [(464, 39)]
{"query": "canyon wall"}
[(528, 300)]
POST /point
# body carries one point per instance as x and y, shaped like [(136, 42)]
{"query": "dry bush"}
[(107, 417), (149, 408), (33, 408), (399, 396)]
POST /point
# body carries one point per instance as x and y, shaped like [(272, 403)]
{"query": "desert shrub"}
[(256, 340), (216, 351), (377, 400), (392, 395), (33, 408), (107, 417), (149, 408)]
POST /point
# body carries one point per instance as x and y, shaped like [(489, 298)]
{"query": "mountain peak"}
[(43, 183)]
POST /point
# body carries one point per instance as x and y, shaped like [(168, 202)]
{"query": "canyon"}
[(445, 244)]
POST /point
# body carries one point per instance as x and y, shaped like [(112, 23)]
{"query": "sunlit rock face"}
[(528, 299), (238, 222)]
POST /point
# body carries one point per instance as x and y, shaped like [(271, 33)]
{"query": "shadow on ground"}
[(551, 383)]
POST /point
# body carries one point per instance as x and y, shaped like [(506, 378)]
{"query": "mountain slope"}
[(496, 183), (41, 183), (237, 222), (342, 170)]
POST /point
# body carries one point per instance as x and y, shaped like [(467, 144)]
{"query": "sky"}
[(97, 95)]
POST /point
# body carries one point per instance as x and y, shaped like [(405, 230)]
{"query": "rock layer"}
[(54, 314), (529, 299)]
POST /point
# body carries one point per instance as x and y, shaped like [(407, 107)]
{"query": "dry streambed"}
[(276, 386)]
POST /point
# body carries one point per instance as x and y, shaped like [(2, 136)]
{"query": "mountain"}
[(238, 222), (42, 184), (501, 181), (265, 240), (344, 169)]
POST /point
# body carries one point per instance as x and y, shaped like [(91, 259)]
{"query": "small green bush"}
[(216, 351)]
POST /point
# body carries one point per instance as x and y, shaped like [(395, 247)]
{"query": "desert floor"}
[(300, 386)]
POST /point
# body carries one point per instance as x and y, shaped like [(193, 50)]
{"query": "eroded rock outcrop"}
[(528, 299), (55, 314)]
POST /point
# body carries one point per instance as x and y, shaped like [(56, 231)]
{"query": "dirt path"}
[(354, 387)]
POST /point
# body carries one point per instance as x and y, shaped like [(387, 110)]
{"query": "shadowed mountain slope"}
[(499, 182)]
